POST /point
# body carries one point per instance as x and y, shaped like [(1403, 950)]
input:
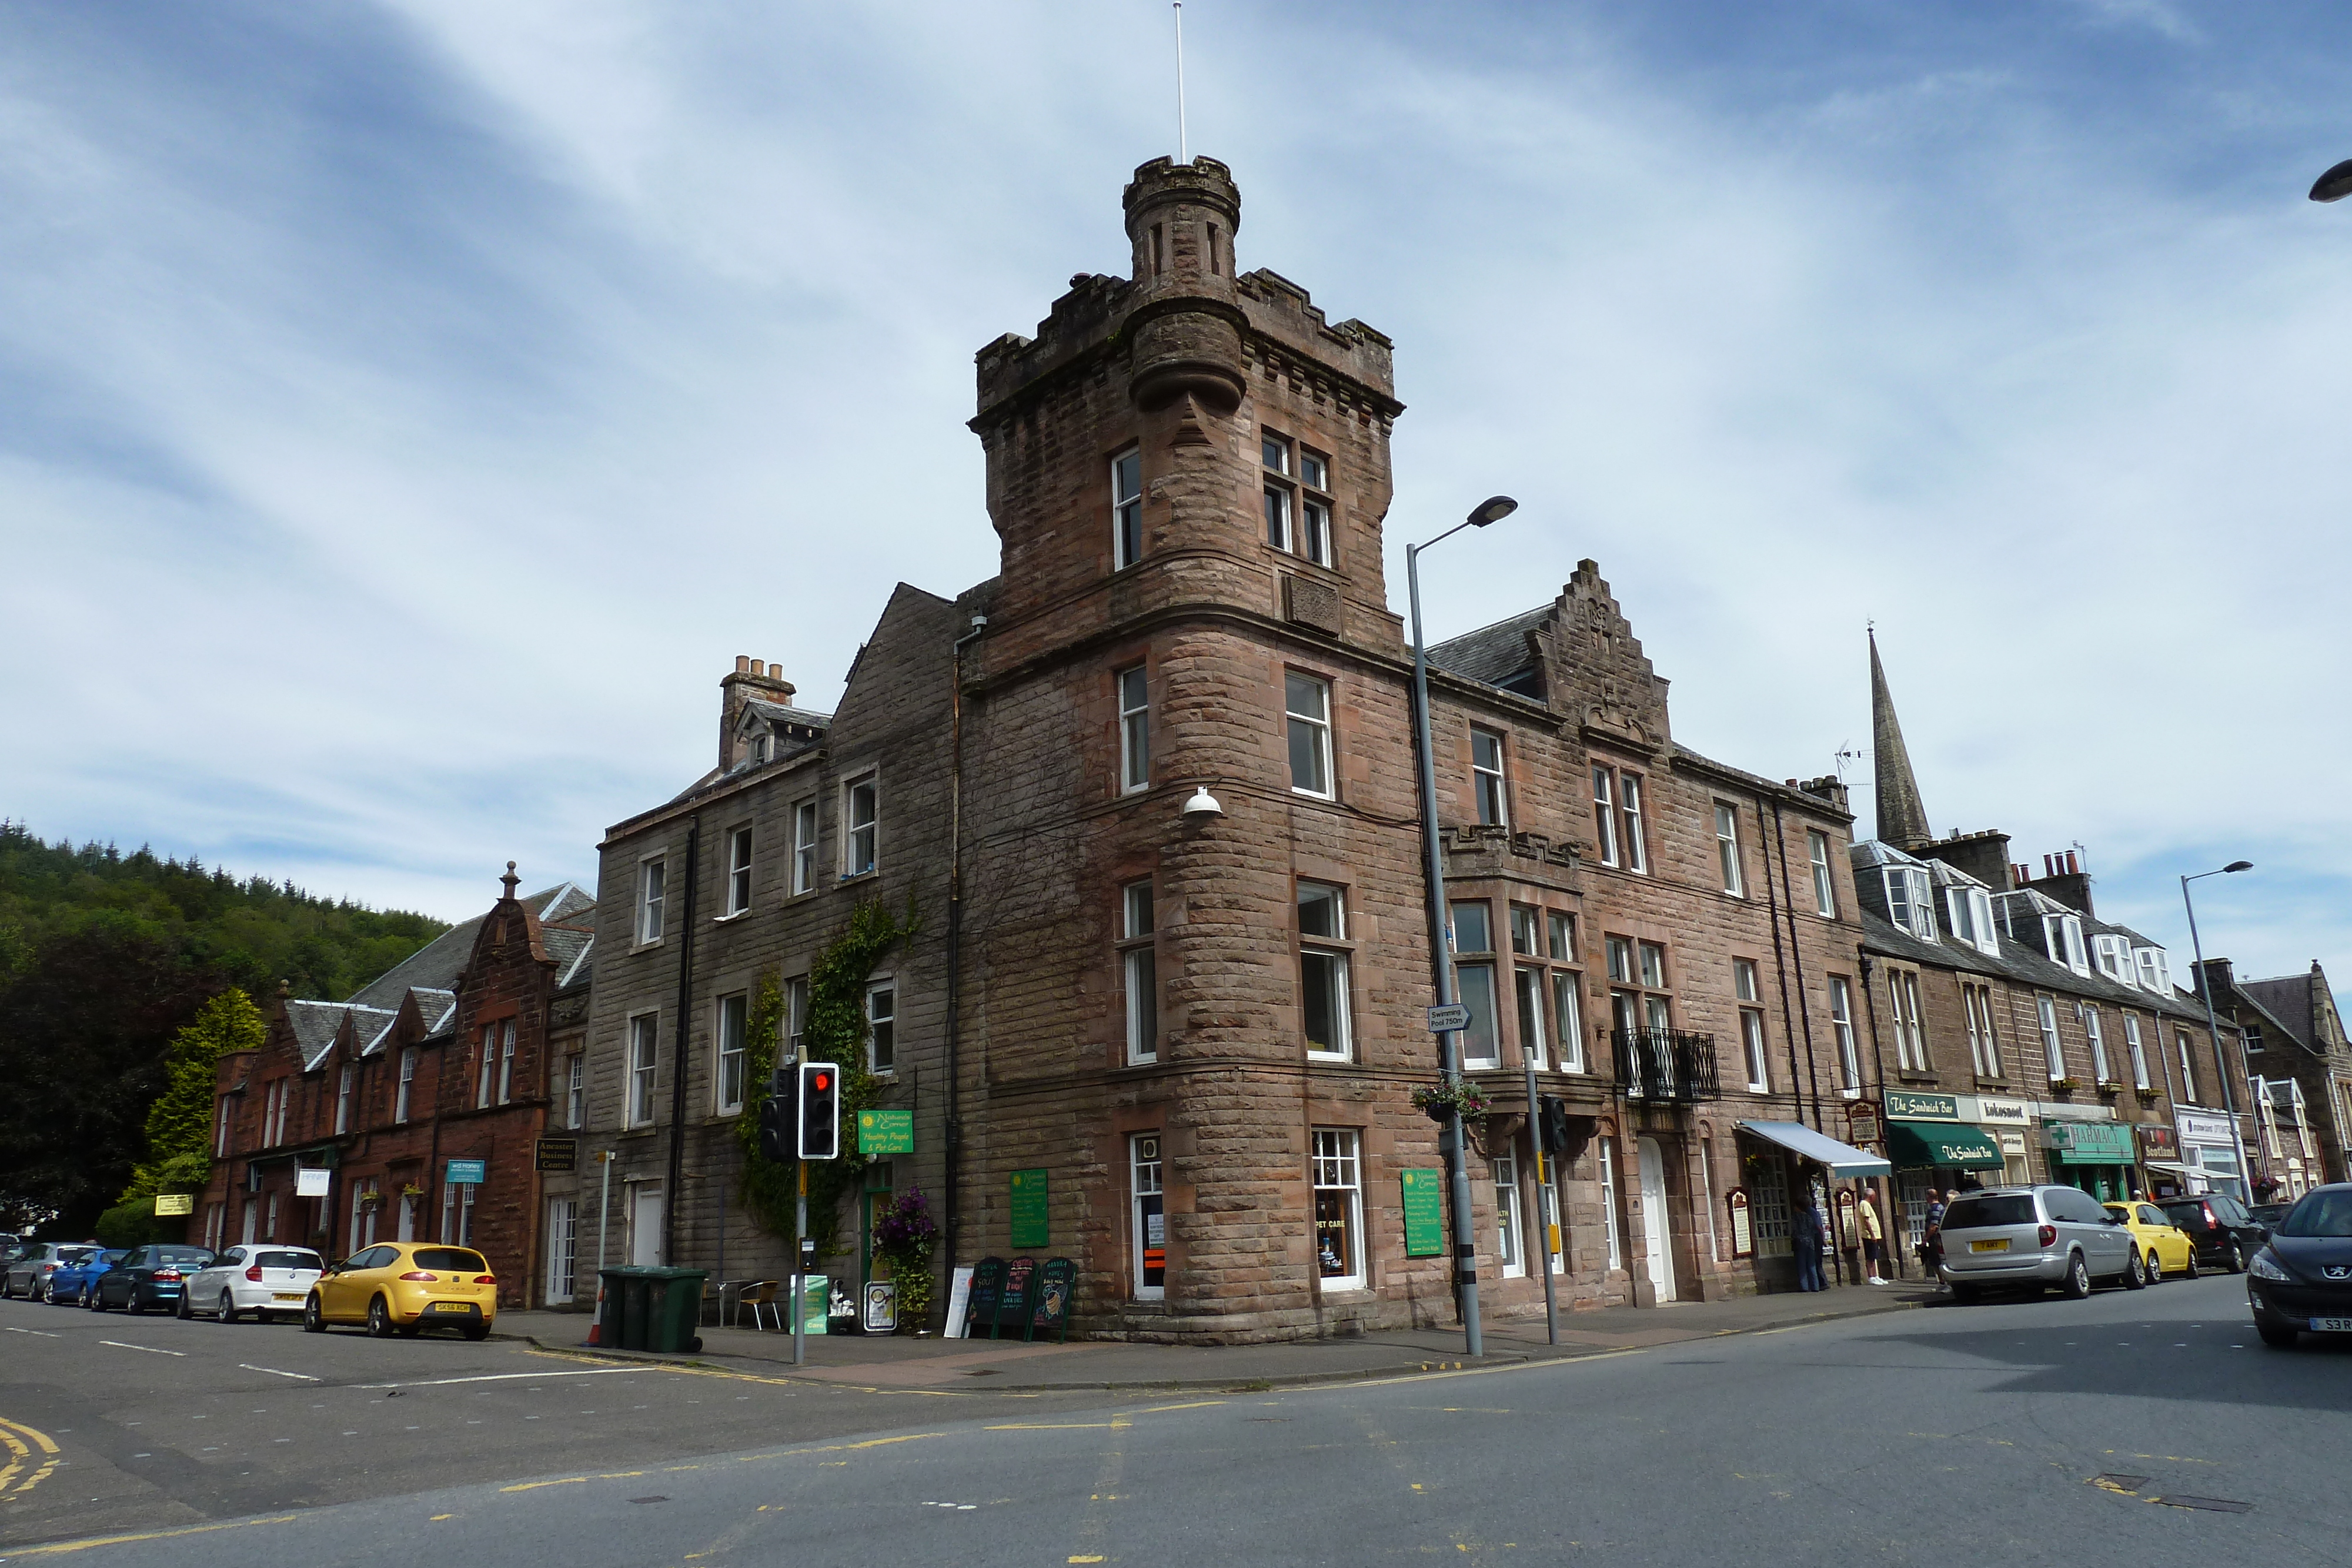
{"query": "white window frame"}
[(882, 1025), (1140, 971), (484, 1063), (1335, 1166), (1959, 917), (1568, 1019), (1984, 1041), (2053, 1048), (1604, 813), (804, 832), (1529, 982), (2063, 934), (345, 1084), (1817, 845), (222, 1122), (861, 838), (1753, 1045), (2111, 956), (2102, 1069), (1132, 688), (1312, 726), (1609, 1203), (2155, 970), (653, 892), (738, 871), (1726, 850), (1326, 950), (642, 1099), (1147, 1171), (1849, 1049), (796, 1019), (1911, 900), (1487, 781), (1629, 811), (506, 1063), (1910, 1039), (1510, 1233), (2135, 1047), (2188, 1066), (1126, 508), (562, 1250), (728, 1038), (401, 1103)]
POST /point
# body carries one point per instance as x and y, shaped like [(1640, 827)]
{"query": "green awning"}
[(1917, 1145)]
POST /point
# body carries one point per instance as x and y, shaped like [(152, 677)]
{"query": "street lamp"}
[(2334, 185), (2204, 980), (1493, 509)]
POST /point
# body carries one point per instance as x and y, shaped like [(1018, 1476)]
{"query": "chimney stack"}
[(751, 679)]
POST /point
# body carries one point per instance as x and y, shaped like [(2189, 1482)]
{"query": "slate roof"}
[(569, 947), (1491, 653), (434, 965), (2285, 1002), (2021, 964)]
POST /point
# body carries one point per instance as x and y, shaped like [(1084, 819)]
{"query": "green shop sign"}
[(1424, 1212), (1903, 1107), (1031, 1227), (886, 1132), (2090, 1143)]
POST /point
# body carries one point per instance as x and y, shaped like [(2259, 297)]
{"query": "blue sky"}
[(408, 412)]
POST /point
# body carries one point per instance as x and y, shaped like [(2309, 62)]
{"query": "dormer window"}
[(2155, 971), (1967, 915), (1910, 902), (2063, 934), (2113, 955)]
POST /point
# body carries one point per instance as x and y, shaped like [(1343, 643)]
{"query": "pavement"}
[(906, 1361)]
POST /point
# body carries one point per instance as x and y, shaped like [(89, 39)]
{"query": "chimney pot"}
[(742, 663)]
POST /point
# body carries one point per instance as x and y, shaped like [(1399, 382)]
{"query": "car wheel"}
[(188, 1308), (2136, 1272), (2195, 1268), (228, 1312), (2078, 1277), (2237, 1258), (313, 1319), (2154, 1267), (478, 1332), (91, 1299), (379, 1324), (2278, 1337), (132, 1304)]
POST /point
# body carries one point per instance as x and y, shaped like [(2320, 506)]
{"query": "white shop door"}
[(1655, 1238)]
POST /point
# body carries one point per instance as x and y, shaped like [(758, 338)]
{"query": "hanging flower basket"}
[(2147, 1096), (371, 1200), (1441, 1101), (2066, 1085), (412, 1193)]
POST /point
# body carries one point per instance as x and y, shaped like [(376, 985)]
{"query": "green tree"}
[(179, 1122)]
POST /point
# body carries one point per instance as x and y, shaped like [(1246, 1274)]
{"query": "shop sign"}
[(2205, 1129), (469, 1173), (1861, 1123), (1424, 1212), (1031, 1224), (556, 1154), (2091, 1142), (886, 1132), (1743, 1232), (2010, 1144), (170, 1203), (311, 1181), (1994, 1112), (2158, 1142), (1905, 1107)]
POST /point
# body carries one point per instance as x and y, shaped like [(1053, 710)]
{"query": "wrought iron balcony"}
[(1665, 1066)]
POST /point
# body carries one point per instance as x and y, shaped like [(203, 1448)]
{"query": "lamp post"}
[(2212, 1024), (1494, 510), (2334, 185)]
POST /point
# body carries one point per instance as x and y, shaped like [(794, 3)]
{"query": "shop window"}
[(1339, 1209), (1149, 1238)]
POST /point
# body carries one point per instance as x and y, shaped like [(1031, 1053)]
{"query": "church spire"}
[(1902, 820)]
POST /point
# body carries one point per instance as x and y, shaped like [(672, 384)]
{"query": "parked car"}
[(148, 1276), (256, 1277), (27, 1274), (2267, 1215), (2301, 1281), (2035, 1237), (2225, 1235), (66, 1287), (2164, 1247), (406, 1287)]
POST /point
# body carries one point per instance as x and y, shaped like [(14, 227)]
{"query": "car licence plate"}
[(2331, 1325), (451, 1307), (284, 1296), (2000, 1245)]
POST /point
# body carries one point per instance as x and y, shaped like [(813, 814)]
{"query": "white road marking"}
[(501, 1377), (150, 1349), (273, 1372), (37, 1332)]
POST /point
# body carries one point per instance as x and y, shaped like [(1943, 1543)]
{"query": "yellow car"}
[(406, 1287), (2163, 1246)]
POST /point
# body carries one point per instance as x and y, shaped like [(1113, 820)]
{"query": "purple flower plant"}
[(906, 1224)]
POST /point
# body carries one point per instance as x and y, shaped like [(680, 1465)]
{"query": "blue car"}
[(70, 1283)]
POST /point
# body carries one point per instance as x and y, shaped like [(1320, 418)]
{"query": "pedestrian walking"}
[(1874, 1238), (1931, 1246), (1805, 1234)]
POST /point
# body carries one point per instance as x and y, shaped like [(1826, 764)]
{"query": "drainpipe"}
[(1797, 957), (1780, 973), (674, 1188), (951, 1130)]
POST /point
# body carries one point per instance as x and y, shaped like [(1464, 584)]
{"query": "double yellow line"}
[(28, 1446)]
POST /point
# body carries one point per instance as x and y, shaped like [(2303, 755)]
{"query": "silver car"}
[(29, 1274), (2034, 1237)]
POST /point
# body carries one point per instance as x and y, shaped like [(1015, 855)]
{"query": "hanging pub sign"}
[(1743, 1233), (1860, 1123)]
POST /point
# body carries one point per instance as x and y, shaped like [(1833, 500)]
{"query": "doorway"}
[(645, 1227), (1656, 1234)]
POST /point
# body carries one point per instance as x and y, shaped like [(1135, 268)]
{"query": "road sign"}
[(469, 1173), (1449, 1017)]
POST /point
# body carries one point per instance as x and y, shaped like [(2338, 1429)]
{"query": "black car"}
[(2302, 1282), (147, 1277), (2220, 1228)]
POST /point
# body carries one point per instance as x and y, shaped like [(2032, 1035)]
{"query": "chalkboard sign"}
[(1743, 1230), (986, 1290), (1053, 1309), (1030, 1211), (1020, 1293), (1424, 1213)]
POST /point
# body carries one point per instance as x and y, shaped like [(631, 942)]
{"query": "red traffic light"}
[(822, 1079)]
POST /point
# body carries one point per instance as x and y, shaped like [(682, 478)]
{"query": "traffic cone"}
[(596, 1326)]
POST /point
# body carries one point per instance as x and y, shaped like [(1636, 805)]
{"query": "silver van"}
[(2033, 1237)]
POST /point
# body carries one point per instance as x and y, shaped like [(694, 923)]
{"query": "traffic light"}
[(1552, 1112), (776, 1128), (819, 1111)]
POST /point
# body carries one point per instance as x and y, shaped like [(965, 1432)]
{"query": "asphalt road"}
[(2022, 1432)]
